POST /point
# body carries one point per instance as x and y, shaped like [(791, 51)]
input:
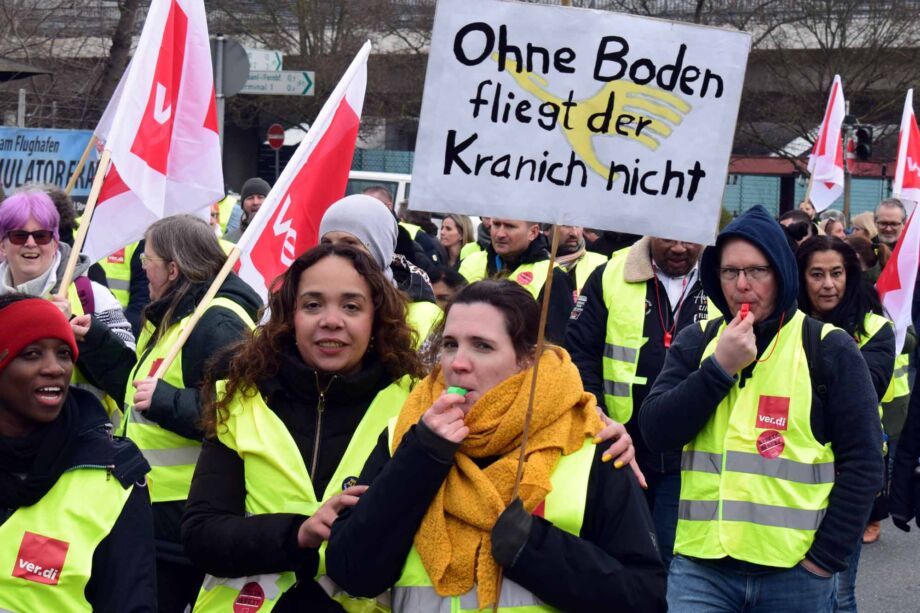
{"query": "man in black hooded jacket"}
[(776, 482)]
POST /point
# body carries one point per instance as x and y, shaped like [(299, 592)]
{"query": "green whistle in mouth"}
[(453, 389)]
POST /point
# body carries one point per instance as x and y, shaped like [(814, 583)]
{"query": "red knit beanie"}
[(26, 321)]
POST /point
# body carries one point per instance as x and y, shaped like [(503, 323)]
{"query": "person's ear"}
[(172, 270)]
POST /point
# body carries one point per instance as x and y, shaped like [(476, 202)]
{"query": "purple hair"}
[(16, 211)]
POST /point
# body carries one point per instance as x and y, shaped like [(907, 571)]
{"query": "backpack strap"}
[(85, 293), (811, 341)]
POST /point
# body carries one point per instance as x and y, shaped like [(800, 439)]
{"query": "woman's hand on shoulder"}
[(317, 528), (445, 418), (622, 451)]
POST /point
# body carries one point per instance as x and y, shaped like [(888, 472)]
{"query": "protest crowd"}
[(395, 411)]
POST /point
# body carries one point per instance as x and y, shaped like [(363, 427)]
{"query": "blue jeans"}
[(663, 497), (697, 588), (846, 583)]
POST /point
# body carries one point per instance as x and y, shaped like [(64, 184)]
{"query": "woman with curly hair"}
[(288, 431)]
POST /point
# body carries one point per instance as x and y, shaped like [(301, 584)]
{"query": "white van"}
[(397, 183)]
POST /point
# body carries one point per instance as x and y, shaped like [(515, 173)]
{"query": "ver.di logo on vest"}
[(40, 559)]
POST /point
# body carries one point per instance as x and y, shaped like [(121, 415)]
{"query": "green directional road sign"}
[(280, 82), (264, 59)]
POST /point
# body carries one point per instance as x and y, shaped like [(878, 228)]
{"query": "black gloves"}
[(510, 533)]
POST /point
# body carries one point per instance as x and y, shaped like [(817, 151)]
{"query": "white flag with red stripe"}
[(161, 129), (896, 283), (316, 176), (906, 184), (826, 161)]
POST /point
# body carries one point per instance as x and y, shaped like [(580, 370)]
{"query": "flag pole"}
[(203, 305), (538, 353), (80, 238), (79, 169)]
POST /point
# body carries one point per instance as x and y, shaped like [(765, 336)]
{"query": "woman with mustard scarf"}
[(436, 525)]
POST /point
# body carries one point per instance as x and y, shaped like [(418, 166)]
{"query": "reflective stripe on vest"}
[(172, 457), (624, 336), (422, 316), (277, 481), (564, 507), (755, 483), (46, 549), (586, 265), (117, 267), (531, 276)]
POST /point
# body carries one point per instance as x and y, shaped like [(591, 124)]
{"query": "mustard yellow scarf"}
[(454, 539)]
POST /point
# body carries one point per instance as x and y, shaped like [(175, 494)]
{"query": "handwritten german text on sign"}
[(578, 117)]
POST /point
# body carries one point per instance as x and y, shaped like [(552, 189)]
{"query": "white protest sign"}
[(578, 117)]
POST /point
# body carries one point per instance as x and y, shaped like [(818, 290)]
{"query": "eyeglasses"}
[(889, 224), (146, 259), (21, 237), (752, 273)]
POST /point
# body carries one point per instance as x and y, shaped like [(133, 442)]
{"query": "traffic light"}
[(863, 142)]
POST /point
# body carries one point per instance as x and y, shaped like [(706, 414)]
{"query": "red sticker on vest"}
[(155, 366), (118, 257), (773, 413), (525, 278), (251, 598), (41, 559), (770, 444)]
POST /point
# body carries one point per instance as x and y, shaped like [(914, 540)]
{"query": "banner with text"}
[(39, 155), (578, 117)]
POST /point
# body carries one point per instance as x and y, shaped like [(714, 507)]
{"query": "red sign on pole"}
[(275, 136)]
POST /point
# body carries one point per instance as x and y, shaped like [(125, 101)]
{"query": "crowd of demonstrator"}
[(715, 428)]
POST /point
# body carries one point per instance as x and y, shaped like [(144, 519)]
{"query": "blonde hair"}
[(866, 221)]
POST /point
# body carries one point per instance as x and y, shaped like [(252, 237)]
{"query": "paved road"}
[(889, 572)]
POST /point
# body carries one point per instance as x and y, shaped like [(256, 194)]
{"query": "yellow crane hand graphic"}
[(655, 113)]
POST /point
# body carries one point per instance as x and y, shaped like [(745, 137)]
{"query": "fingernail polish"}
[(596, 440), (618, 464), (606, 457)]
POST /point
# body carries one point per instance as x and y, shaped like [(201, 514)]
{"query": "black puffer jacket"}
[(123, 572), (613, 561), (218, 536)]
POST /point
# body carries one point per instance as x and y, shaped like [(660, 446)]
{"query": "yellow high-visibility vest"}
[(277, 481), (755, 482), (172, 457)]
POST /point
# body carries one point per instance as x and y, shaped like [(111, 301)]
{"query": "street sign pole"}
[(277, 164)]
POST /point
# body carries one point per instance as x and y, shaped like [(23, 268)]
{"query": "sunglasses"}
[(20, 237)]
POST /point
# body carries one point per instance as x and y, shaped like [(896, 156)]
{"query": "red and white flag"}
[(161, 130), (906, 184), (896, 283), (287, 224), (826, 161)]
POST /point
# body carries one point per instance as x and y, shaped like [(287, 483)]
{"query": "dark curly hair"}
[(252, 361)]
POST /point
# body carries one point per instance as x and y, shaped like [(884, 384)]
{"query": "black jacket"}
[(562, 296), (218, 536), (124, 571), (587, 331), (687, 393), (904, 496), (615, 562)]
